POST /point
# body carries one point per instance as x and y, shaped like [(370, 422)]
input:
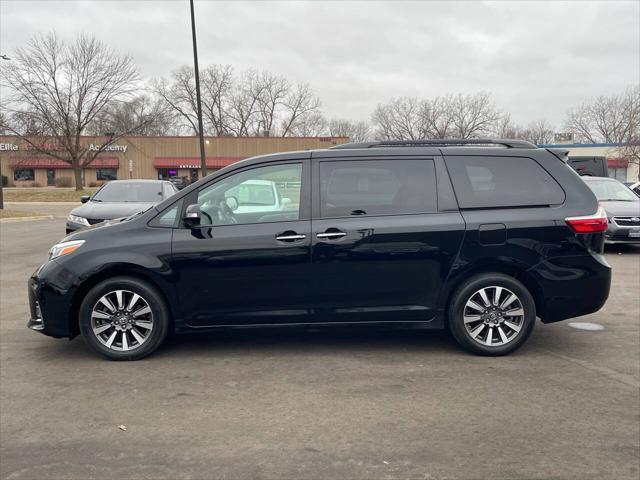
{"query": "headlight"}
[(77, 219), (64, 248)]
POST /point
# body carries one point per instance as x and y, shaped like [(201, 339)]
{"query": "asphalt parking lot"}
[(318, 404)]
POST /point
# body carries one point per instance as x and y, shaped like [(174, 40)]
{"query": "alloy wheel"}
[(122, 320), (493, 316)]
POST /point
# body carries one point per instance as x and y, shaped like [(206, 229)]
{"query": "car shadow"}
[(304, 340), (622, 248)]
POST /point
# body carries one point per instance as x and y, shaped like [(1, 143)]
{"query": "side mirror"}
[(285, 201), (85, 198), (192, 215), (232, 203)]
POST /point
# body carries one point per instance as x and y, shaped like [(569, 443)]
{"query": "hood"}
[(621, 209), (109, 210)]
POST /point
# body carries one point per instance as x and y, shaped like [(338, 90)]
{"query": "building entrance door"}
[(51, 177)]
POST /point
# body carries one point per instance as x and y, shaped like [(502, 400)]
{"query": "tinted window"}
[(168, 218), (106, 174), (484, 182), (130, 192), (262, 194), (377, 187), (24, 174)]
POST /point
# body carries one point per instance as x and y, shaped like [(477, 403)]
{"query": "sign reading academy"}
[(110, 148)]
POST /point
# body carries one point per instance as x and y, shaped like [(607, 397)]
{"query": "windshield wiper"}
[(139, 213)]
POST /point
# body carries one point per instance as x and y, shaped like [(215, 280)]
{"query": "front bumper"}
[(73, 226), (622, 234), (36, 322), (50, 302)]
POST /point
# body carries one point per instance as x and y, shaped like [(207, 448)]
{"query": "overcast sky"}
[(537, 58)]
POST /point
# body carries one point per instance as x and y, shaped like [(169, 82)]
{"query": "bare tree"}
[(180, 96), (309, 125), (459, 116), (272, 99), (244, 111), (439, 116), (356, 131), (217, 86), (300, 107), (539, 132), (4, 124), (62, 88), (250, 103), (142, 115), (505, 128), (401, 119), (473, 115), (610, 119)]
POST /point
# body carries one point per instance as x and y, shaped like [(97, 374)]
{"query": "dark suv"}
[(478, 236)]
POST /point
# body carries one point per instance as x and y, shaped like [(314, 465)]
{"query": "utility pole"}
[(203, 161), (3, 57)]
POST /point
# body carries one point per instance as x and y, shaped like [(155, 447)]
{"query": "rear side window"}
[(485, 182), (377, 187)]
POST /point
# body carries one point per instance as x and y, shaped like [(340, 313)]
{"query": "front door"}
[(249, 260), (51, 177), (381, 249)]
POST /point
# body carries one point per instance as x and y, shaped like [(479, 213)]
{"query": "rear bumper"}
[(572, 286)]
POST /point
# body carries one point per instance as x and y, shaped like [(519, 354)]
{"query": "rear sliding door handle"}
[(290, 237), (331, 235)]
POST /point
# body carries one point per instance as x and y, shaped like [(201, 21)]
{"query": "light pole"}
[(203, 161), (3, 57)]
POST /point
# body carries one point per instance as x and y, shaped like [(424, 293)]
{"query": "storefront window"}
[(619, 173), (24, 174), (167, 173), (106, 174)]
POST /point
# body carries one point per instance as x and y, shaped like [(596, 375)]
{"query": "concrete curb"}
[(26, 219), (42, 203)]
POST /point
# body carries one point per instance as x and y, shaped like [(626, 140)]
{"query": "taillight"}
[(595, 223)]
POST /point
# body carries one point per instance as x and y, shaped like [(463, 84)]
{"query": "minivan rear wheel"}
[(123, 318), (491, 314)]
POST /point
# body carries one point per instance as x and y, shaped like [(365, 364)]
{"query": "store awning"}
[(617, 162), (50, 162), (194, 162)]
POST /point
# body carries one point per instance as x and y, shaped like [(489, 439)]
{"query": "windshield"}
[(607, 190), (251, 194), (129, 192)]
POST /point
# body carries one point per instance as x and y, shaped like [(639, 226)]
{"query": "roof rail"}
[(446, 142)]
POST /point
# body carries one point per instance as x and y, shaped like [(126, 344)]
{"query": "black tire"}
[(462, 332), (158, 318)]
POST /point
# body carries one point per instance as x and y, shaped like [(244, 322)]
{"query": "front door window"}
[(264, 194)]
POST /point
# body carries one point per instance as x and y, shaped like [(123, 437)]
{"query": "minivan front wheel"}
[(492, 314), (123, 319)]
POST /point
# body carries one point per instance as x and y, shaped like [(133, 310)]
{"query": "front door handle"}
[(332, 234), (290, 237)]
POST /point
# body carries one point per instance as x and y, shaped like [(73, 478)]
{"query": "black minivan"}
[(478, 236)]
